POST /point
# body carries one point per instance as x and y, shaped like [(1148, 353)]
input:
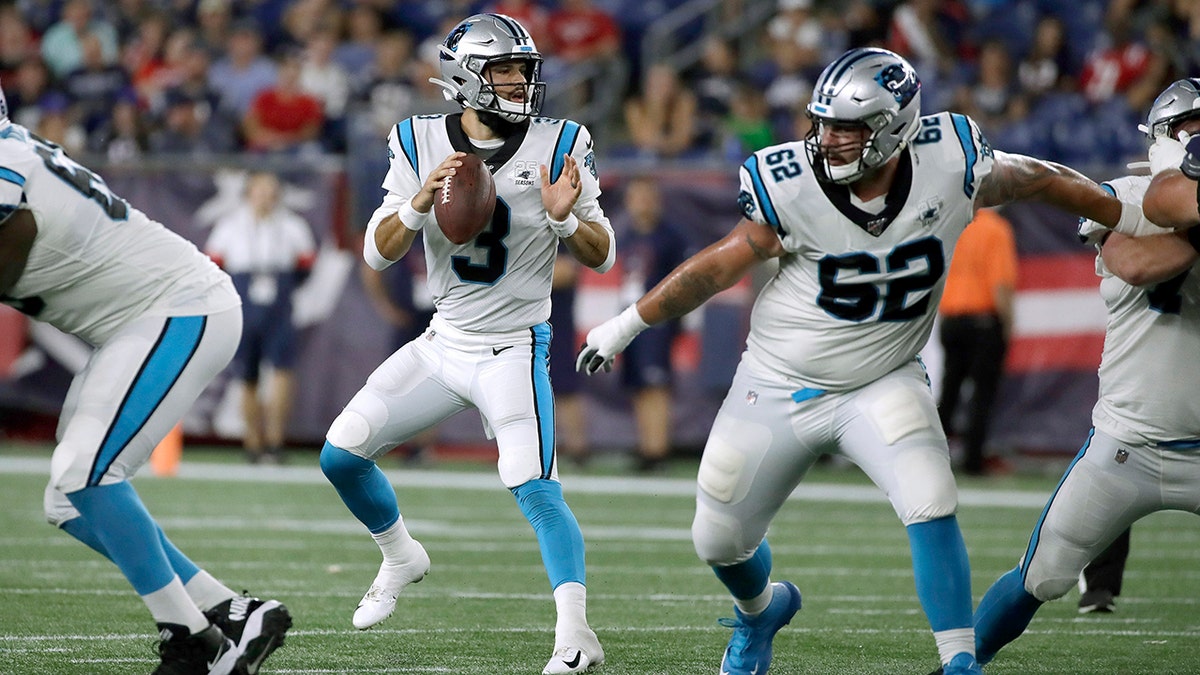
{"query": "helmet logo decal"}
[(900, 82), (456, 36)]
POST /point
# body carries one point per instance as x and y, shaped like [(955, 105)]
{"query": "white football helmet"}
[(874, 88), (1176, 103), (478, 42)]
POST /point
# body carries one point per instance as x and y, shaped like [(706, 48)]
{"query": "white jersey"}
[(500, 281), (247, 244), (96, 263), (856, 293), (1151, 360)]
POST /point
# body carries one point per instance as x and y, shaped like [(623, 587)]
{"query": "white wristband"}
[(412, 218), (631, 322), (1131, 217), (564, 228)]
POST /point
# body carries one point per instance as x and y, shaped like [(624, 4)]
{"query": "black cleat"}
[(257, 627), (1098, 601), (208, 652)]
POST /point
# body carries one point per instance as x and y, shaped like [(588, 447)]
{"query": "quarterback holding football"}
[(487, 345)]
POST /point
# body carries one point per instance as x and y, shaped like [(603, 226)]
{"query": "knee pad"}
[(719, 538), (1052, 588), (56, 507), (349, 430), (924, 486)]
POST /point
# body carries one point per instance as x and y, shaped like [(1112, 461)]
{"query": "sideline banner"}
[(1044, 404)]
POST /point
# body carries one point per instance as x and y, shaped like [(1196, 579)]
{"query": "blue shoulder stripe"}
[(12, 177), (408, 143), (566, 141), (760, 191), (963, 129)]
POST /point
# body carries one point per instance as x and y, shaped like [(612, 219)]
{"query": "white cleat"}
[(581, 658), (380, 600)]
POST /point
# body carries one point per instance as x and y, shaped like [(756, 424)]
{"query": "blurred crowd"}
[(1067, 80)]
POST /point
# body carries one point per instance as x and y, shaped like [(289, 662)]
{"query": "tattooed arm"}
[(709, 272), (687, 287), (1017, 177)]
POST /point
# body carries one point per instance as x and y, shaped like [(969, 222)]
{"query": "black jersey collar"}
[(460, 142)]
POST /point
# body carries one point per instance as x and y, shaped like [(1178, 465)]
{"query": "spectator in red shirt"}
[(579, 32), (284, 118), (585, 43)]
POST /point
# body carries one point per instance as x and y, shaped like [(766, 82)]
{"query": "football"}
[(464, 205)]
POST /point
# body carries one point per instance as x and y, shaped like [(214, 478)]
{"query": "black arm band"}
[(1193, 237)]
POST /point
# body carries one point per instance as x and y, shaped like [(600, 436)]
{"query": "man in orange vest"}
[(976, 322)]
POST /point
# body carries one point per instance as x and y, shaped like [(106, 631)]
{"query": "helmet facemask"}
[(468, 56), (867, 153)]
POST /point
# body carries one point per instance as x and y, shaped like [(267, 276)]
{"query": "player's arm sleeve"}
[(587, 207), (975, 152), (755, 201), (401, 183)]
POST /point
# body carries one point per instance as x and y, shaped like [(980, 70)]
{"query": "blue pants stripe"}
[(543, 396), (167, 359)]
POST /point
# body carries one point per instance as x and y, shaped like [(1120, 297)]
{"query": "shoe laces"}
[(376, 593), (742, 635)]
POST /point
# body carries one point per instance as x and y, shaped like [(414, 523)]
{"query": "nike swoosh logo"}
[(220, 653), (574, 662), (496, 350)]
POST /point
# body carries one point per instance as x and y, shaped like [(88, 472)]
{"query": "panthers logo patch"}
[(901, 82), (589, 163), (746, 204)]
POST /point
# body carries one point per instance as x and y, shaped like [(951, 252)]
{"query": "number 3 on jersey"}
[(492, 241)]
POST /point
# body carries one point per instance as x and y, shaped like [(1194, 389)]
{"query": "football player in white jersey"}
[(487, 344), (863, 216), (1143, 453), (164, 320)]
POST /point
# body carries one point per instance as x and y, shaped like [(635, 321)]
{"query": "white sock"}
[(570, 599), (171, 604), (207, 592), (955, 641), (757, 604), (395, 542)]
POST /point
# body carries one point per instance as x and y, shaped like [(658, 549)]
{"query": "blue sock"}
[(80, 529), (942, 572), (1004, 613), (557, 530), (123, 526), (362, 486), (183, 565), (749, 578)]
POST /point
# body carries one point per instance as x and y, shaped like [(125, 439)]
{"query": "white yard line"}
[(609, 485)]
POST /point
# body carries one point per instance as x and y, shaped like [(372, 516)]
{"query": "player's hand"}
[(608, 339), (560, 196), (1166, 153), (423, 200)]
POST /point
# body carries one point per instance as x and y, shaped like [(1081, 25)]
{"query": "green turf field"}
[(486, 605)]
